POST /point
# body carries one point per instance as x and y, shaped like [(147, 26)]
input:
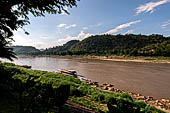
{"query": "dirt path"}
[(76, 108)]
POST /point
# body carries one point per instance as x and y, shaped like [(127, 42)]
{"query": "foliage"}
[(28, 96), (14, 15), (129, 45), (58, 50), (44, 90), (5, 51)]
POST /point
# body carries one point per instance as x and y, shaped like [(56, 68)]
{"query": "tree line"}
[(103, 45)]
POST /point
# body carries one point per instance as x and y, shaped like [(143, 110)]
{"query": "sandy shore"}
[(130, 59)]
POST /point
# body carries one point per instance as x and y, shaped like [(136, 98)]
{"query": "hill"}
[(101, 45), (58, 50), (24, 49), (132, 45)]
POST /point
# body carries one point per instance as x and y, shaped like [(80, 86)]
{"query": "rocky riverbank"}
[(163, 104)]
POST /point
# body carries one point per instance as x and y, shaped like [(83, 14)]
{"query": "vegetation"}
[(104, 45), (14, 15), (24, 49), (21, 93), (59, 50), (26, 90)]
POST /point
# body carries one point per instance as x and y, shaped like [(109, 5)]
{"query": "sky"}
[(97, 17)]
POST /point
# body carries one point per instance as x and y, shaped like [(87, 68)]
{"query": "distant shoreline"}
[(140, 59)]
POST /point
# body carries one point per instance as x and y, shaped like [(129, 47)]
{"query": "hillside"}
[(24, 49), (58, 50), (101, 45), (120, 45)]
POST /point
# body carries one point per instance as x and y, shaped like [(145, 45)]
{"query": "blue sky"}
[(93, 17)]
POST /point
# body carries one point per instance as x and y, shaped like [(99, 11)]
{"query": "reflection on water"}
[(145, 78)]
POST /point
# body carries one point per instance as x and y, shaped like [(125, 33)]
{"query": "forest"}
[(24, 49), (106, 45)]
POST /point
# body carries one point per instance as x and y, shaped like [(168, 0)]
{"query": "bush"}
[(75, 92), (28, 96), (120, 105), (140, 103), (99, 97)]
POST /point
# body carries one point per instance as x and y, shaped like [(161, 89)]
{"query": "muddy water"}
[(151, 79)]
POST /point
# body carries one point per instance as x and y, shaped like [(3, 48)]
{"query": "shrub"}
[(140, 103), (28, 96)]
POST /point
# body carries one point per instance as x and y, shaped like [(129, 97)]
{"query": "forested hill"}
[(60, 50), (133, 45), (24, 50)]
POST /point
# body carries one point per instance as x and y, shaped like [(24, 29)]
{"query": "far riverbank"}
[(140, 59)]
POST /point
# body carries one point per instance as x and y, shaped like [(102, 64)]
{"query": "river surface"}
[(149, 79)]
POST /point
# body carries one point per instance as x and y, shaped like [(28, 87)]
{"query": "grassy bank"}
[(81, 93)]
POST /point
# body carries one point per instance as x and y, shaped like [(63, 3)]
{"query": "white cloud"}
[(61, 25), (129, 31), (38, 42), (66, 26), (150, 7), (165, 24), (70, 26), (80, 36), (85, 28), (122, 26)]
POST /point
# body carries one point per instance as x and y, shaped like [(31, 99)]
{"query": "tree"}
[(14, 15)]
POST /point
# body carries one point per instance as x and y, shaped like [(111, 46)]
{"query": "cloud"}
[(70, 26), (85, 28), (150, 7), (99, 24), (80, 36), (66, 26), (61, 25), (122, 26), (165, 24), (129, 31)]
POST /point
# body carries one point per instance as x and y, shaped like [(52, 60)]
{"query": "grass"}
[(80, 92)]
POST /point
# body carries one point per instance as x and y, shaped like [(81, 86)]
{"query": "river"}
[(149, 79)]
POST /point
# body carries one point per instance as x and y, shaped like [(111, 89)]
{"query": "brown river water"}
[(149, 79)]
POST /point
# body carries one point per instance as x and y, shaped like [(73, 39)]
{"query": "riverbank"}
[(80, 93), (163, 104), (141, 59)]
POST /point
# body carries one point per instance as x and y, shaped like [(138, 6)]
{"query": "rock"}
[(104, 84), (150, 97), (138, 94), (141, 97), (110, 89), (157, 101), (163, 100), (95, 83), (105, 88), (90, 83), (109, 85)]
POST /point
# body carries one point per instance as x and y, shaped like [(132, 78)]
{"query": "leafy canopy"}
[(14, 15)]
